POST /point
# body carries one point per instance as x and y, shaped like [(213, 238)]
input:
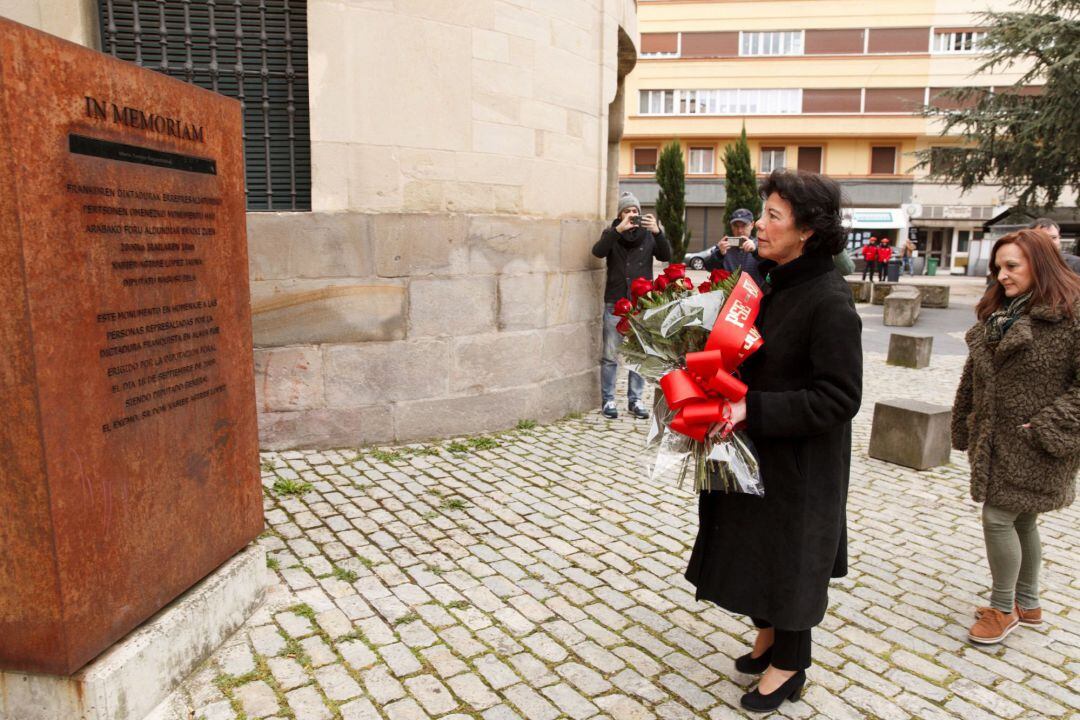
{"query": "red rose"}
[(623, 307), (705, 286), (641, 286), (661, 283), (686, 283), (674, 272), (624, 326), (719, 276)]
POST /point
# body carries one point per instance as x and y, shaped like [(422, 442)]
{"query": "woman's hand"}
[(649, 223), (738, 415)]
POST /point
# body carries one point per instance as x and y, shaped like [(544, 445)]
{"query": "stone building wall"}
[(443, 282)]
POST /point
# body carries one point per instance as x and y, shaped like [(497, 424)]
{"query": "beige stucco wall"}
[(443, 283)]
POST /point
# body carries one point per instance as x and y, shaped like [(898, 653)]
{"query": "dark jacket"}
[(629, 257), (771, 557), (734, 259), (1072, 261), (1032, 375)]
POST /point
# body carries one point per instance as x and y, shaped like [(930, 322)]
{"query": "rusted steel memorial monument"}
[(128, 433)]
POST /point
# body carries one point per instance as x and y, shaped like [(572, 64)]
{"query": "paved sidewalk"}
[(537, 575)]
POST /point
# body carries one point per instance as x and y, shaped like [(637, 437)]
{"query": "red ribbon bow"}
[(702, 392)]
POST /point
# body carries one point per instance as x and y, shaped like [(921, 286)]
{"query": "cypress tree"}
[(671, 202), (739, 180)]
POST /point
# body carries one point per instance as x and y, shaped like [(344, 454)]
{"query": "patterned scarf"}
[(1002, 319)]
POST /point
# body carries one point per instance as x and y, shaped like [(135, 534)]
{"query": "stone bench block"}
[(912, 351), (881, 291), (860, 290), (911, 433), (934, 296), (902, 307)]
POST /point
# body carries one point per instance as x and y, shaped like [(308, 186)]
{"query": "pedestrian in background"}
[(629, 246), (771, 557), (869, 254), (1017, 414), (907, 255), (1052, 229), (884, 254)]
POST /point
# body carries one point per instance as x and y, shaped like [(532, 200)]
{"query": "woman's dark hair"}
[(815, 200), (1053, 284)]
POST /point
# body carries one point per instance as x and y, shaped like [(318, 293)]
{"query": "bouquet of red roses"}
[(690, 341)]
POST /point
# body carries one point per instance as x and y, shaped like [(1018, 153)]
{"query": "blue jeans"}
[(907, 265), (609, 363)]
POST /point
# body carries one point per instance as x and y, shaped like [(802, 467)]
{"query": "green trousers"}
[(1015, 553)]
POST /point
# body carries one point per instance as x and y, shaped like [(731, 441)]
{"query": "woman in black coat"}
[(771, 557)]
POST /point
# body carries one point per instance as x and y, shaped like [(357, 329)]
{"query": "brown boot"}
[(993, 626), (1031, 616)]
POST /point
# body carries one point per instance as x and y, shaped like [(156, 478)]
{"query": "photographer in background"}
[(737, 251), (629, 245)]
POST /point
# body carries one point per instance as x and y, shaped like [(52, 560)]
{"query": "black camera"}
[(635, 220)]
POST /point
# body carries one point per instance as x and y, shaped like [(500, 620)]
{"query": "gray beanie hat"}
[(627, 200)]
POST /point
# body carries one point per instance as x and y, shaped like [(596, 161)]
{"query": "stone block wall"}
[(375, 328), (443, 283)]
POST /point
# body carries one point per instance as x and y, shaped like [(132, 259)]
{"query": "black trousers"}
[(871, 267), (790, 649)]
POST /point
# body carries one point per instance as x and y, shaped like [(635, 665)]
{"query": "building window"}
[(787, 42), (701, 161), (810, 158), (656, 102), (772, 158), (958, 41), (659, 45), (942, 159), (883, 160), (645, 160), (253, 51), (963, 239), (755, 101)]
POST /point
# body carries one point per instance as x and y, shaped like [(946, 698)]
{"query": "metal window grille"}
[(251, 50)]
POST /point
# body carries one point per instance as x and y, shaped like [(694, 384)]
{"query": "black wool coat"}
[(771, 557)]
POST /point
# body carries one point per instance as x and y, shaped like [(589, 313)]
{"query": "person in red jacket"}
[(884, 252), (869, 254)]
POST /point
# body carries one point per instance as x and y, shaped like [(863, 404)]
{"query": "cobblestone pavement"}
[(537, 575)]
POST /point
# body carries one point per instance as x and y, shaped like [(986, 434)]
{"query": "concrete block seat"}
[(911, 433), (902, 306), (910, 350)]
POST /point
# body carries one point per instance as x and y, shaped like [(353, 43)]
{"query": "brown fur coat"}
[(1031, 376)]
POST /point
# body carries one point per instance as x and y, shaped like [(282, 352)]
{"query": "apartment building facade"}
[(832, 86)]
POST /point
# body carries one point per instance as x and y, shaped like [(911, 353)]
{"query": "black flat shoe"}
[(790, 690), (749, 665)]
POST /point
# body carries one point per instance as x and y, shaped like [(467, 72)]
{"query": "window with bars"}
[(251, 50), (963, 41), (755, 101), (785, 42)]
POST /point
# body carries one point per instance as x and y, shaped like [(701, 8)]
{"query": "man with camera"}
[(629, 246), (737, 251)]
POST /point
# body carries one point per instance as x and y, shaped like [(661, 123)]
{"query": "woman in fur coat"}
[(1017, 413)]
